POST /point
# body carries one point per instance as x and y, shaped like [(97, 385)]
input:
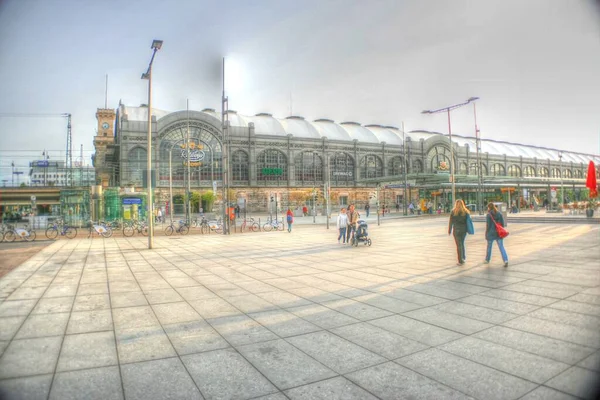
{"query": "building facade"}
[(295, 160), (54, 173)]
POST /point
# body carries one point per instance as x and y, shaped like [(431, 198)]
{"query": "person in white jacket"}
[(342, 224)]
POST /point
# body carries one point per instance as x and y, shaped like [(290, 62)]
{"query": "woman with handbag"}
[(495, 232), (458, 226)]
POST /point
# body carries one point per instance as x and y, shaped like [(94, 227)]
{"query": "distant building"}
[(54, 173)]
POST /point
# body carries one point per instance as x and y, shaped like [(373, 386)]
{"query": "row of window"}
[(272, 165)]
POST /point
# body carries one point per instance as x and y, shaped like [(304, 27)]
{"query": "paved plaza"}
[(299, 316)]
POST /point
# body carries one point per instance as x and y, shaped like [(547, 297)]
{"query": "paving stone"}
[(567, 317), (378, 340), (90, 321), (30, 388), (16, 307), (387, 303), (475, 312), (391, 381), (519, 297), (123, 286), (544, 346), (545, 393), (442, 319), (415, 297), (576, 307), (171, 313), (580, 297), (194, 337), (214, 308), (22, 357), (568, 333), (416, 330), (331, 389), (525, 365), (466, 376), (90, 384), (577, 381), (250, 303), (61, 291), (274, 396), (88, 350), (134, 317), (499, 304), (356, 309), (322, 316), (142, 344), (284, 365), (91, 302), (158, 379), (166, 295), (592, 362), (54, 305), (240, 330), (92, 288), (43, 325), (224, 374), (3, 346), (195, 293), (24, 293), (283, 323), (128, 299), (10, 326), (541, 291), (313, 294)]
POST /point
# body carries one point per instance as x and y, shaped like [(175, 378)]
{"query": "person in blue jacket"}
[(491, 235)]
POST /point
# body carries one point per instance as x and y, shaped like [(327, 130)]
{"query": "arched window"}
[(514, 170), (555, 172), (497, 170), (271, 165), (341, 167), (463, 169), (484, 169), (529, 171), (309, 168), (137, 161), (439, 157), (371, 167), (544, 172), (396, 166), (568, 173), (417, 167), (578, 174), (239, 166)]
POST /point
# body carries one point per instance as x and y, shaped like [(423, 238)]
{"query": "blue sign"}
[(43, 163), (132, 200)]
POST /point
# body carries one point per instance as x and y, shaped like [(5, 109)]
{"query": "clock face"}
[(105, 125)]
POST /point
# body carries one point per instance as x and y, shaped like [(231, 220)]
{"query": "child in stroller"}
[(361, 234)]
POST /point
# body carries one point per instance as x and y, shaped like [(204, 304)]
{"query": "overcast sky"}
[(535, 65)]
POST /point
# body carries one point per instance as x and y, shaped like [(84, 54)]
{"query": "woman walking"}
[(342, 224), (491, 234), (290, 219), (458, 225)]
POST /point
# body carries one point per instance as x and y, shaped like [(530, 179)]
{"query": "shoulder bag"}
[(502, 233), (470, 227)]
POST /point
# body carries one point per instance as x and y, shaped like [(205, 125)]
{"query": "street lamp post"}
[(447, 110), (479, 170), (562, 189), (314, 189), (404, 164), (156, 45)]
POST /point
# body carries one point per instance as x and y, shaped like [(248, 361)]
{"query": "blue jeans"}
[(488, 253), (342, 234), (289, 226)]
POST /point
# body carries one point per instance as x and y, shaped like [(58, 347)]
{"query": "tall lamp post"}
[(562, 189), (479, 170), (314, 189), (447, 110), (404, 164), (156, 45)]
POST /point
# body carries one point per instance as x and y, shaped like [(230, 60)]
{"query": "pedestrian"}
[(383, 210), (304, 210), (160, 216), (367, 209), (491, 234), (290, 219), (352, 221), (411, 208), (342, 225), (397, 207), (458, 226), (237, 210)]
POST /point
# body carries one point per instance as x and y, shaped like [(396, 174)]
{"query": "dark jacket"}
[(490, 227), (458, 222)]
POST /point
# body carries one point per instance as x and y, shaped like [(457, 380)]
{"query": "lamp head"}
[(146, 75), (426, 112), (472, 99), (156, 44)]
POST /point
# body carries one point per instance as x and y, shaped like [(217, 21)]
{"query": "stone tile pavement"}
[(298, 316)]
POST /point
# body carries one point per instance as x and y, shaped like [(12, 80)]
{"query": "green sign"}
[(272, 171)]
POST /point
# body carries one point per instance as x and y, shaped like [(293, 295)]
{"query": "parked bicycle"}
[(3, 229), (181, 228), (60, 228), (135, 226), (272, 224), (25, 234), (250, 224), (99, 228), (216, 225)]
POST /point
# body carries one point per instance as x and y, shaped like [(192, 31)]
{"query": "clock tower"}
[(103, 143)]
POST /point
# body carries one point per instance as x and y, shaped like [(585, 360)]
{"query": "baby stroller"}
[(361, 234)]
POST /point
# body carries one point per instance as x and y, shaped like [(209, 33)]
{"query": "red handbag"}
[(502, 233)]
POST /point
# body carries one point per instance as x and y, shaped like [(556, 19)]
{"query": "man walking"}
[(367, 209)]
